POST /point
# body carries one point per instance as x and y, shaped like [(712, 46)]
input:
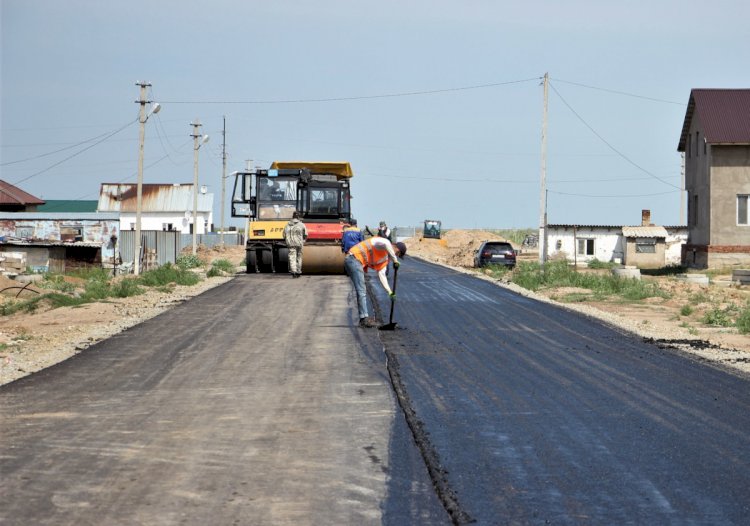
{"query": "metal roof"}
[(64, 205), (617, 227), (12, 195), (644, 231), (724, 115), (154, 198), (63, 216)]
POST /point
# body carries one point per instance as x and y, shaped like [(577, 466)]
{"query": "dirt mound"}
[(11, 287), (455, 247)]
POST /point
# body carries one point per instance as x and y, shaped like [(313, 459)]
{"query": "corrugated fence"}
[(168, 245)]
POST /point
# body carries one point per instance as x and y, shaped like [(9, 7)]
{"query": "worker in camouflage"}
[(295, 234)]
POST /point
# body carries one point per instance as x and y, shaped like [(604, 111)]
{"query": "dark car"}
[(495, 253)]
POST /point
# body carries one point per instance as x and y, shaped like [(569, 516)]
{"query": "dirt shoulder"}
[(30, 342), (665, 320)]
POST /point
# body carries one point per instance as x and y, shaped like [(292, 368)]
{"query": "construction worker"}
[(295, 235), (372, 253), (350, 236)]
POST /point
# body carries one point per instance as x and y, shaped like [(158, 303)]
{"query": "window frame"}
[(746, 198), (585, 241)]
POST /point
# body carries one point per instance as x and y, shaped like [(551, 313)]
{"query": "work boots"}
[(367, 323)]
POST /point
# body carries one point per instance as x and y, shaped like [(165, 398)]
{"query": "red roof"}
[(724, 115), (12, 195)]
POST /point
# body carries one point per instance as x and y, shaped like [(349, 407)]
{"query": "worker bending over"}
[(372, 253)]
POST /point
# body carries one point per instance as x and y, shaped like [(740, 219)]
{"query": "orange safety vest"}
[(370, 255)]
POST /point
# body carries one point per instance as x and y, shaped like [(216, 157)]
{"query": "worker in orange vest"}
[(372, 253)]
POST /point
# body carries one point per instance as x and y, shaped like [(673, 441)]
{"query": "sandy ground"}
[(30, 342)]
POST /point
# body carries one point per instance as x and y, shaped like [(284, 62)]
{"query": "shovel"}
[(390, 326)]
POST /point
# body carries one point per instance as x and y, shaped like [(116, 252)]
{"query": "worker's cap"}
[(295, 215), (382, 223), (353, 222), (401, 248)]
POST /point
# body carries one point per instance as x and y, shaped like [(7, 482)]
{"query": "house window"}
[(697, 144), (742, 215), (25, 231), (645, 245), (586, 247), (694, 212), (132, 226), (167, 227)]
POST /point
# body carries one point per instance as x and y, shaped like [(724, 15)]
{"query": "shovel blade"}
[(388, 327)]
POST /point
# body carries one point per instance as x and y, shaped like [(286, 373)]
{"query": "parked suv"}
[(495, 253)]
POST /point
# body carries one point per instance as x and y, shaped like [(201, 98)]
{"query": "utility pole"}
[(223, 176), (543, 192), (142, 118), (196, 145)]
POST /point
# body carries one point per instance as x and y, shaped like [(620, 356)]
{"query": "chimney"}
[(645, 217)]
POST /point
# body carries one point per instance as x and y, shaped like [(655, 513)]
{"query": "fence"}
[(169, 244)]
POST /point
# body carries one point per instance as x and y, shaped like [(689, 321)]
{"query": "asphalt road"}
[(257, 402), (531, 414)]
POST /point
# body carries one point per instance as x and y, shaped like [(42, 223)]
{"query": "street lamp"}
[(198, 141), (142, 118)]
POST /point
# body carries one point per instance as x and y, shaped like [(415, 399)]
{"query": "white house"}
[(163, 206), (643, 246)]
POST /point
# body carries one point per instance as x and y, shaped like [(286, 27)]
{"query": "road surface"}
[(531, 414), (259, 402)]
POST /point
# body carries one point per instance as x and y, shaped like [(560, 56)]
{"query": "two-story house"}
[(716, 142)]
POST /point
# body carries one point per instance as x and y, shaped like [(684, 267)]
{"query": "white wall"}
[(675, 240), (155, 221), (608, 243)]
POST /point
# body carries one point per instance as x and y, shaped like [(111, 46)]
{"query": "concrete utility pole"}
[(198, 140), (142, 118), (223, 175), (543, 192)]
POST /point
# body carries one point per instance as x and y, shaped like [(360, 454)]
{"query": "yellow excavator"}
[(319, 191)]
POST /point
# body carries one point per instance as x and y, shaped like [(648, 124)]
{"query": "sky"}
[(438, 105)]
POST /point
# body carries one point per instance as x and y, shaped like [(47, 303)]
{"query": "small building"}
[(13, 199), (643, 246), (166, 207), (56, 242), (715, 140)]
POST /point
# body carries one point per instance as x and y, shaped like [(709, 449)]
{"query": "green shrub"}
[(686, 310), (188, 261), (126, 288), (91, 273), (743, 320), (220, 267), (55, 282), (96, 290), (596, 264), (167, 274), (719, 317)]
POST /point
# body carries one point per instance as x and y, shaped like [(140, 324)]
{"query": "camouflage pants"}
[(295, 260)]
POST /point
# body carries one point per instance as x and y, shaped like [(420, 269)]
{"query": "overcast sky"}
[(437, 104)]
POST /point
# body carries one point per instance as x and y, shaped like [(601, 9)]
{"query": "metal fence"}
[(169, 244)]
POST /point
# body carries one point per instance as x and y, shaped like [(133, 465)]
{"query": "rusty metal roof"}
[(644, 231), (12, 195), (724, 115), (155, 198)]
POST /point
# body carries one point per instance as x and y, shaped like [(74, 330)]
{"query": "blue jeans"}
[(357, 274)]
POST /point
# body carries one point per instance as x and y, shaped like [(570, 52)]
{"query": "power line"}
[(75, 154), (357, 97), (57, 151), (618, 152), (614, 196), (620, 92)]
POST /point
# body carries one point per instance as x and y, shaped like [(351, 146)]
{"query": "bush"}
[(55, 282), (188, 261), (686, 310), (743, 320), (126, 288), (596, 264), (167, 274), (221, 267), (719, 317)]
